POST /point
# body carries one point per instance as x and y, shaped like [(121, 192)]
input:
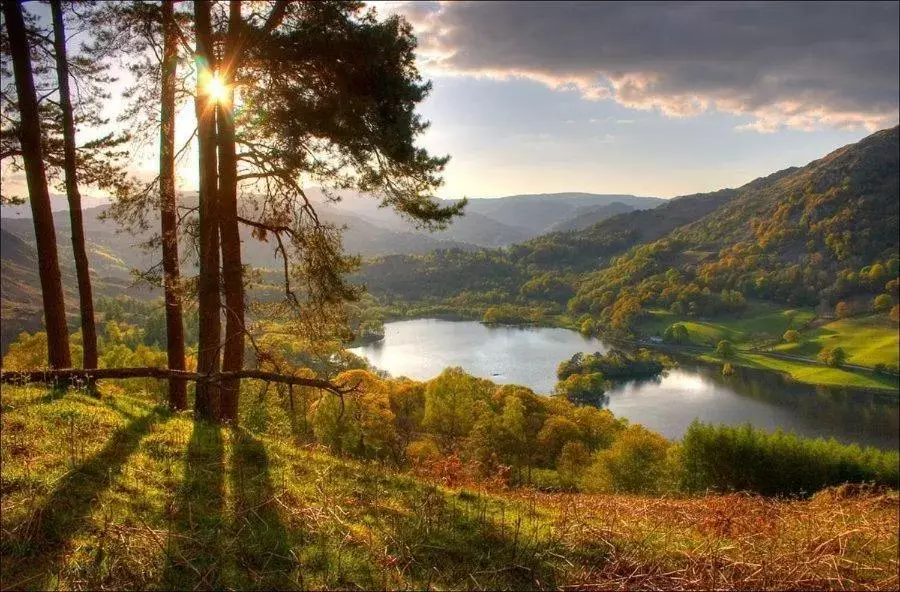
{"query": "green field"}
[(762, 323), (868, 340), (811, 372)]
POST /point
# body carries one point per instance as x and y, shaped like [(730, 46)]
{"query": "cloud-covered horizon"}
[(782, 65)]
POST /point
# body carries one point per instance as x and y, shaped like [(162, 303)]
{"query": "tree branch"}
[(78, 374)]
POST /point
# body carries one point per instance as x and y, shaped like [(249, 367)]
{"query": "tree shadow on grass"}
[(197, 525), (262, 555), (37, 551), (471, 541)]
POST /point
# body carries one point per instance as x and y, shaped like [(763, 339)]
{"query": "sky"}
[(660, 99)]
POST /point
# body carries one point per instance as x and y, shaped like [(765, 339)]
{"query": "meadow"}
[(117, 492)]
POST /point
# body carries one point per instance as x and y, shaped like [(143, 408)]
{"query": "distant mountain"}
[(538, 213), (58, 203), (569, 252), (20, 290), (500, 221), (593, 246), (585, 216)]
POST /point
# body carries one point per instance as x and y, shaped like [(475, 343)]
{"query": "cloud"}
[(799, 65)]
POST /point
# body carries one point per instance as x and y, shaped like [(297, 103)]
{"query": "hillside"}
[(451, 273), (500, 221), (822, 232), (129, 496), (586, 216), (539, 212), (20, 291)]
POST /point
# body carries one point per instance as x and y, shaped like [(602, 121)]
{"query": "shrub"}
[(635, 463), (422, 452), (882, 303), (895, 313), (725, 349), (583, 389), (587, 326), (28, 352), (676, 333), (833, 356), (572, 462), (726, 458), (546, 480), (791, 336)]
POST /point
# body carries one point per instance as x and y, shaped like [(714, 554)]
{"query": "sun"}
[(216, 89)]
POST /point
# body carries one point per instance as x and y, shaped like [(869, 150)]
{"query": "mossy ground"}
[(117, 493)]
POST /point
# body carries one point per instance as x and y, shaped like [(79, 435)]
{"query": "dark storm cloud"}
[(796, 64)]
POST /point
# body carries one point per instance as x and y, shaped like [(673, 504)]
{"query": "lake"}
[(422, 348)]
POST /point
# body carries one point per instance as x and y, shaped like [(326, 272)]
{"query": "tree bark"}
[(45, 235), (232, 270), (82, 269), (207, 400), (168, 209)]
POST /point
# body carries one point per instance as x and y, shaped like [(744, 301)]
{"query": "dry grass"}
[(117, 494), (732, 541)]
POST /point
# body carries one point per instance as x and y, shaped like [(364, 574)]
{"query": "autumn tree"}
[(882, 303), (791, 336), (725, 349), (842, 310)]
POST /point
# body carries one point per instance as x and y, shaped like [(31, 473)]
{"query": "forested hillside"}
[(825, 232)]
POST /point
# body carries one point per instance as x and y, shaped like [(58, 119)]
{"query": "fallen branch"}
[(71, 375)]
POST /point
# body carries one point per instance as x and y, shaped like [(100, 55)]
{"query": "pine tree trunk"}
[(233, 354), (82, 270), (168, 211), (36, 177), (207, 403)]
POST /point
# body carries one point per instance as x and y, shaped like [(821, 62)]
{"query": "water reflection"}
[(766, 400), (422, 348)]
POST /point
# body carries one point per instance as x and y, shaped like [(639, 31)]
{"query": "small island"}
[(584, 378)]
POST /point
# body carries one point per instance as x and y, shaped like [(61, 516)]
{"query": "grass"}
[(868, 340), (811, 373), (116, 493), (761, 323)]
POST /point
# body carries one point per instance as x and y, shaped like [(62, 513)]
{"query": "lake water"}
[(422, 348)]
